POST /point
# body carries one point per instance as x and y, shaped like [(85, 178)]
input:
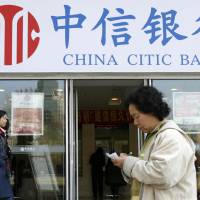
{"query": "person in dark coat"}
[(5, 187), (97, 161), (113, 178)]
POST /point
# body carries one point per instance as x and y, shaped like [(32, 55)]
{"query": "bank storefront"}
[(65, 70)]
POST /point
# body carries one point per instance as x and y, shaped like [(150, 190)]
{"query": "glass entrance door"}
[(103, 122)]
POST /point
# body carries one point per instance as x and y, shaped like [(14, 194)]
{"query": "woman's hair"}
[(148, 99), (7, 126), (2, 113)]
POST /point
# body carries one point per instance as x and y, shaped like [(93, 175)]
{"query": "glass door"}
[(183, 97), (36, 110), (103, 122)]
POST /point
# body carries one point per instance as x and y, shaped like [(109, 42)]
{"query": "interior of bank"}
[(105, 123)]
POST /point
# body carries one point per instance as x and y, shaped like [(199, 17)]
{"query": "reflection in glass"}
[(186, 104), (38, 160)]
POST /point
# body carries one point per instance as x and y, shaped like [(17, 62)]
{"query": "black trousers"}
[(97, 185)]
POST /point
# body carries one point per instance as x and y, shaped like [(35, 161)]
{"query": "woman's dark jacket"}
[(5, 187)]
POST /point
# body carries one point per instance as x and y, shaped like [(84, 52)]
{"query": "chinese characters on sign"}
[(67, 25), (162, 26), (198, 30), (164, 23), (119, 27), (27, 114), (104, 117)]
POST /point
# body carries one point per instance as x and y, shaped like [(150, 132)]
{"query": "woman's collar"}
[(158, 126), (2, 130)]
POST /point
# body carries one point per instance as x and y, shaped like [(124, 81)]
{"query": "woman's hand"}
[(120, 160)]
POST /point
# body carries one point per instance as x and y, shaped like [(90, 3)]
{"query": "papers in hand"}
[(112, 156)]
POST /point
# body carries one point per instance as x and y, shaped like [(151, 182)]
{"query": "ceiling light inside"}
[(115, 97), (114, 101)]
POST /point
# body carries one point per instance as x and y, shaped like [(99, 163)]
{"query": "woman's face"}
[(145, 122), (3, 121)]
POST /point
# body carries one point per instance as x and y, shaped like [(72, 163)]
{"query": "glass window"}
[(183, 97), (36, 112)]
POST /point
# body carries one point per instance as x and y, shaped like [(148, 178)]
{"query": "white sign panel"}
[(27, 114), (43, 170), (186, 110), (96, 36)]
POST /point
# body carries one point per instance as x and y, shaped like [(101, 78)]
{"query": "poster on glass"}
[(27, 113), (186, 110)]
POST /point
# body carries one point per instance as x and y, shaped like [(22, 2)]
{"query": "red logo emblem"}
[(19, 30)]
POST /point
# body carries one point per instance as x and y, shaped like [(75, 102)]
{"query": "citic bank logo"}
[(18, 34)]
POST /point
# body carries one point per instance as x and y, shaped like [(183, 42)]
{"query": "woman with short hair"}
[(165, 168)]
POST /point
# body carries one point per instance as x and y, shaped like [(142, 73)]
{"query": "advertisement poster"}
[(186, 110), (27, 114)]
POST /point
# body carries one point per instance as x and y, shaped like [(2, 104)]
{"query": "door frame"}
[(72, 178)]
